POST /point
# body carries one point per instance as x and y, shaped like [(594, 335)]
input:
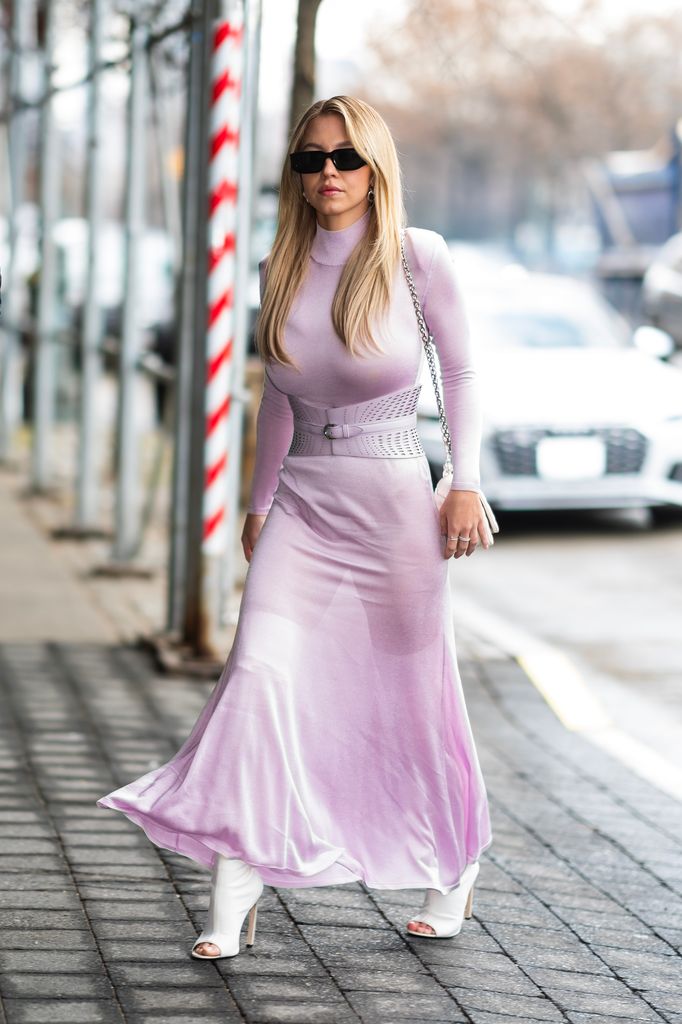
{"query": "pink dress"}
[(336, 745)]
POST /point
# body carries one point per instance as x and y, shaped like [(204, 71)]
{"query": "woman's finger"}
[(474, 537), (454, 545), (474, 541), (464, 539), (247, 545), (485, 533)]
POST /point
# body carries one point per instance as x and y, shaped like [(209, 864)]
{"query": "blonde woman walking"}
[(336, 745)]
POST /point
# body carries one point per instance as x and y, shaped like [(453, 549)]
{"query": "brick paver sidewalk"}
[(577, 910)]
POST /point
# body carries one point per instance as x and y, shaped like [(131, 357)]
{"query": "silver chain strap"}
[(427, 338)]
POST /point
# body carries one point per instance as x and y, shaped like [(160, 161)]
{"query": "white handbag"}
[(444, 484)]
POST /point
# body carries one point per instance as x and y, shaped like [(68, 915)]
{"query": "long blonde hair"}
[(364, 289)]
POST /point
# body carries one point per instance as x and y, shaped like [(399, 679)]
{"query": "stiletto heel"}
[(470, 903), (445, 912), (235, 891), (251, 930)]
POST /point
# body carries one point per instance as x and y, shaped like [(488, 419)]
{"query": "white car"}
[(662, 289), (578, 412)]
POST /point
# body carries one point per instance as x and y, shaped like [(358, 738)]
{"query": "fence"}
[(165, 57)]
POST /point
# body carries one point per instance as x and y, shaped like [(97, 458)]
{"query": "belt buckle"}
[(329, 426)]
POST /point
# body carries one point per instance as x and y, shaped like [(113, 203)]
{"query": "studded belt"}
[(383, 427)]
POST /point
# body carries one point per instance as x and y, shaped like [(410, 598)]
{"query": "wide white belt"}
[(361, 429)]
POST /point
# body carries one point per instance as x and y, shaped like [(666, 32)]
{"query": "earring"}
[(305, 197), (370, 196)]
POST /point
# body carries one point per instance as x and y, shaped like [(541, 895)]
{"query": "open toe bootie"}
[(445, 912), (235, 891)]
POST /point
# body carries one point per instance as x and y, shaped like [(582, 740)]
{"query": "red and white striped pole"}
[(226, 76)]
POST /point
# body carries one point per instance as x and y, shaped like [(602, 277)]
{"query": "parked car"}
[(662, 289), (578, 413)]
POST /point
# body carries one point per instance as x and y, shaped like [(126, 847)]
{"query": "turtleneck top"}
[(327, 374)]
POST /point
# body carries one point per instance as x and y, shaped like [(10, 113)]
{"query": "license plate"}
[(570, 458)]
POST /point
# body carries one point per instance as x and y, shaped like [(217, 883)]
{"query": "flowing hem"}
[(281, 878)]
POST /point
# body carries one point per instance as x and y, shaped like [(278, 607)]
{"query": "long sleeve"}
[(443, 309), (274, 430)]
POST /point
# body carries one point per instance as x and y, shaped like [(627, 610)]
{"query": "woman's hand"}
[(462, 515), (252, 528)]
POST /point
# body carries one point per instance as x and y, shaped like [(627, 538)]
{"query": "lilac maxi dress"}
[(336, 744)]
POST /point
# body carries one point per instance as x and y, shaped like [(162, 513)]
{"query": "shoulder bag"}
[(444, 484)]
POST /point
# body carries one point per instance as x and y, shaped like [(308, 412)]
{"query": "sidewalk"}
[(577, 911)]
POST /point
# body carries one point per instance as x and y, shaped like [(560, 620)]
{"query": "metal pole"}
[(10, 378), (245, 200), (163, 143), (92, 326), (127, 514), (45, 376), (184, 613), (196, 626)]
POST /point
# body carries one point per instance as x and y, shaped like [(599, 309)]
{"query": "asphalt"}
[(577, 912)]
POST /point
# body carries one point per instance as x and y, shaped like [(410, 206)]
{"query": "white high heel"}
[(446, 912), (235, 891)]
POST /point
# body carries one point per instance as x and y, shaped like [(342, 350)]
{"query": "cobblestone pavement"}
[(577, 909)]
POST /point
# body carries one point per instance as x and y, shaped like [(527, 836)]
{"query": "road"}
[(603, 588)]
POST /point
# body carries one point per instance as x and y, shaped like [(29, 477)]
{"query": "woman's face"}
[(338, 197)]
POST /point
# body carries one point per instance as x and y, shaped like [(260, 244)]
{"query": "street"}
[(604, 588)]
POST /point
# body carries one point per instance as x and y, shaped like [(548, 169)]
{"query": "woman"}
[(336, 744)]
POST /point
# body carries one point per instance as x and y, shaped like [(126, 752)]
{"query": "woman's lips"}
[(330, 191)]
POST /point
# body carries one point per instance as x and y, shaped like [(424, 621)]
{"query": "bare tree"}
[(303, 85), (509, 92)]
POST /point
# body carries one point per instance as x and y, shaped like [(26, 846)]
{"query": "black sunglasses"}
[(311, 161)]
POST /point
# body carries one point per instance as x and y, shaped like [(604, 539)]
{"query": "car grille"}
[(515, 449)]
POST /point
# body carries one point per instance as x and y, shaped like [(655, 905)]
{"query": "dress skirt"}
[(336, 744)]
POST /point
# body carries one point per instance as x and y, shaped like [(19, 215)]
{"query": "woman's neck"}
[(334, 247)]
